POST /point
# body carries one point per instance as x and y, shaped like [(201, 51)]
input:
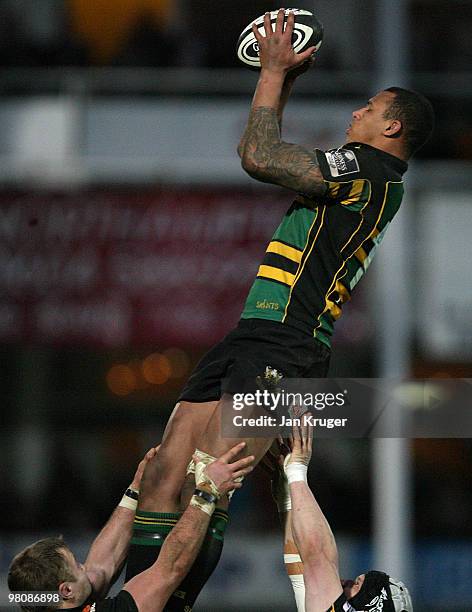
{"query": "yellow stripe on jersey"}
[(360, 255), (300, 269), (330, 306), (285, 250), (276, 274), (333, 189), (335, 307), (355, 193)]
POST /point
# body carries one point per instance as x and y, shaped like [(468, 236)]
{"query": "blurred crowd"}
[(203, 32), (103, 32), (154, 33)]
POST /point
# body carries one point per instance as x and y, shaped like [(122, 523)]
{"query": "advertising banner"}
[(114, 268)]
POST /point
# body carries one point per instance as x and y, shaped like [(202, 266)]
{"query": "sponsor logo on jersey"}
[(377, 604), (341, 162)]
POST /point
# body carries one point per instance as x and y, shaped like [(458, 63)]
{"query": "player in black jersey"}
[(50, 566), (313, 555), (346, 199)]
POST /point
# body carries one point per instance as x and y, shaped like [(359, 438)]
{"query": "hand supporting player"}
[(151, 453), (296, 463), (275, 48), (301, 441), (273, 464), (223, 474)]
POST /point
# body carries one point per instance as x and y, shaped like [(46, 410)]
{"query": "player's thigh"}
[(219, 436), (184, 428), (187, 422)]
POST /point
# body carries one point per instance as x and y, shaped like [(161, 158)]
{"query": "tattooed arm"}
[(284, 96), (270, 160), (264, 155)]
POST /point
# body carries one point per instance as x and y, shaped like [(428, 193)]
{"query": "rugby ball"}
[(307, 32)]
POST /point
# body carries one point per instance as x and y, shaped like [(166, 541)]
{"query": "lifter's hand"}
[(301, 441), (275, 48), (224, 472), (152, 452)]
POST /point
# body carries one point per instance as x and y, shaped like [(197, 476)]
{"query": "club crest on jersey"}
[(342, 161)]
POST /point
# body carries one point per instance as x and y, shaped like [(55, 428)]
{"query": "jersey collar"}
[(397, 163)]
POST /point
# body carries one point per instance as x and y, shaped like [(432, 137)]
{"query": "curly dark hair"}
[(416, 114)]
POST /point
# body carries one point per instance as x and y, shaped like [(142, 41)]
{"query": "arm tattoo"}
[(267, 158)]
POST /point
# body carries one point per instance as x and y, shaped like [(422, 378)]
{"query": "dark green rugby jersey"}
[(324, 245)]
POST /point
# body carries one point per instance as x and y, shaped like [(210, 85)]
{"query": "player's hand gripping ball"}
[(307, 32)]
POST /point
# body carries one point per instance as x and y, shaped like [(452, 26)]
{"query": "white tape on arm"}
[(128, 502), (298, 586), (296, 472)]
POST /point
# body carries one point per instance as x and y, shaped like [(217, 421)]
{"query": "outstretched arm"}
[(263, 153), (312, 533), (152, 588), (110, 548), (272, 463), (287, 87)]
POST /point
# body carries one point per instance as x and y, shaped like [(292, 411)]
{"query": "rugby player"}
[(346, 199), (310, 552), (50, 565)]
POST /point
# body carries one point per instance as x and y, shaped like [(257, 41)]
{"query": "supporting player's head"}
[(378, 592), (49, 565), (397, 120)]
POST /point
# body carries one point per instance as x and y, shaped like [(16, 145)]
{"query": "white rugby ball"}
[(307, 32)]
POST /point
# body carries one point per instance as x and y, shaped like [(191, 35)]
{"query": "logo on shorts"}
[(270, 379), (342, 161), (272, 376)]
